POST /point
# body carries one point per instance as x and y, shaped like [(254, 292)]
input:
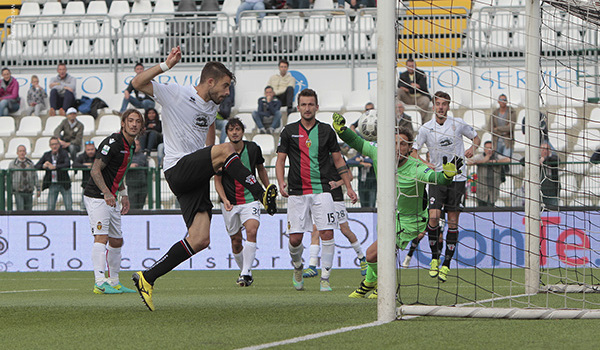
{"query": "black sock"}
[(234, 167), (433, 235), (413, 246), (451, 240), (179, 252)]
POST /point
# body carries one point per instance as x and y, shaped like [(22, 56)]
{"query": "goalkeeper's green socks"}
[(371, 273)]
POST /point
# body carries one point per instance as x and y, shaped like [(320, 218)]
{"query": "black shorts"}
[(189, 180), (447, 197)]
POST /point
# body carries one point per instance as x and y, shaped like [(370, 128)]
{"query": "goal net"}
[(528, 242)]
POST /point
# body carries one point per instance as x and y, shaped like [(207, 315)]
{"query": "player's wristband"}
[(124, 192), (164, 67)]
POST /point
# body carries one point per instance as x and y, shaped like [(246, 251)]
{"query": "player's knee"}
[(115, 242), (326, 235), (371, 256), (198, 244)]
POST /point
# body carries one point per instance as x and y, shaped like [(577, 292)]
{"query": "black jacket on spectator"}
[(62, 165), (268, 109), (420, 78), (595, 157), (550, 183), (78, 163)]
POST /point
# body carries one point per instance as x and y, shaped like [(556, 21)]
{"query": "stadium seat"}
[(323, 4), (11, 150), (309, 44), (293, 117), (141, 6), (156, 27), (57, 48), (134, 27), (108, 124), (127, 46), (365, 24), (42, 145), (34, 48), (89, 124), (331, 100), (51, 124), (148, 47), (577, 163), (30, 8), (476, 118), (248, 122), (29, 126), (248, 101), (352, 116), (4, 163), (266, 143), (98, 139), (230, 7), (43, 29), (164, 6), (558, 139), (80, 48), (105, 29), (271, 25), (66, 29), (52, 8), (569, 187), (248, 25), (224, 26), (334, 43), (1, 146), (117, 10), (97, 8), (594, 122), (564, 119), (507, 188), (587, 141), (583, 201), (13, 49), (293, 25), (20, 29), (317, 24), (356, 100), (338, 24)]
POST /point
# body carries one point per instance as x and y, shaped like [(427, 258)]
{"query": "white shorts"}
[(341, 213), (104, 220), (238, 216), (305, 209)]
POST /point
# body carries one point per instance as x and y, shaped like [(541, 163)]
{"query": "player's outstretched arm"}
[(143, 81), (349, 136)]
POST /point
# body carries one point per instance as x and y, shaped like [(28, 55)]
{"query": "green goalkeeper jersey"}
[(412, 176)]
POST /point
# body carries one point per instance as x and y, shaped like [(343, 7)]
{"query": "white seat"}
[(52, 8), (156, 27), (352, 116), (317, 24), (224, 26), (80, 48), (293, 25), (577, 163), (587, 141), (248, 101), (359, 42), (11, 151), (594, 122), (102, 48), (230, 7), (480, 100), (569, 186), (331, 100), (507, 188), (270, 25), (30, 8), (558, 139), (248, 25), (34, 48), (108, 124), (57, 48), (97, 8), (133, 27), (30, 126), (89, 124), (141, 6), (148, 47), (366, 24), (323, 4), (98, 139), (164, 6), (51, 124), (325, 117), (338, 24), (43, 29), (334, 42), (7, 126), (20, 29), (66, 29), (266, 143), (42, 145), (4, 163), (88, 28), (476, 118), (356, 100), (564, 119), (75, 8), (583, 201), (117, 10), (12, 49), (248, 122), (293, 117), (310, 44)]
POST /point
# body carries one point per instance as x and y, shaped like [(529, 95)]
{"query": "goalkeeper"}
[(412, 176)]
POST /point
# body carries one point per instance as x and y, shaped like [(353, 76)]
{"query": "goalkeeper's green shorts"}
[(409, 229)]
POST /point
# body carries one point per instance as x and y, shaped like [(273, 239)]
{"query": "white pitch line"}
[(30, 290), (313, 336)]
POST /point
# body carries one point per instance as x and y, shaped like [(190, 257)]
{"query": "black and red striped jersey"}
[(309, 153), (251, 155), (116, 153)]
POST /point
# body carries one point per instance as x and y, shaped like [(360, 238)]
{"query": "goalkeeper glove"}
[(339, 123), (451, 169)]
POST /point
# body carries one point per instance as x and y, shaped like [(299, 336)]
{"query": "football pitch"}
[(206, 310)]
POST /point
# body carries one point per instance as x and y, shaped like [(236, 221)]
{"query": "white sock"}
[(99, 262), (249, 254), (113, 258), (296, 254), (358, 249), (327, 257), (239, 258), (314, 254)]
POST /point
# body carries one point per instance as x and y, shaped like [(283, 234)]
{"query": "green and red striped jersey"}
[(309, 153), (236, 193)]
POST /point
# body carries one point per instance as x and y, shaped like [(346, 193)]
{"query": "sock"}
[(413, 246), (239, 258), (433, 235), (451, 240), (99, 262), (296, 254), (314, 255), (358, 249), (234, 166), (249, 255), (371, 273), (179, 252), (327, 258), (113, 258)]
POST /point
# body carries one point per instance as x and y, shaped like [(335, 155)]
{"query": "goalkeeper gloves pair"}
[(451, 169), (339, 123)]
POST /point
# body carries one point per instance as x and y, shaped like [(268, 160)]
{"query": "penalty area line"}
[(313, 336), (29, 291)]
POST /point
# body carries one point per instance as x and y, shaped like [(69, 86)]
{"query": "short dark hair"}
[(53, 138), (233, 122), (443, 95), (406, 132), (215, 70), (410, 59), (61, 64), (283, 60), (308, 93), (486, 142), (269, 87), (5, 68), (139, 64)]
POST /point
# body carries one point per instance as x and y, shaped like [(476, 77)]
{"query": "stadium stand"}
[(11, 150), (7, 126), (29, 126)]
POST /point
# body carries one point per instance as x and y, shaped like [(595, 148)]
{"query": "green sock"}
[(371, 273)]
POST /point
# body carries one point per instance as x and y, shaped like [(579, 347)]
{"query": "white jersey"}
[(186, 118), (445, 140)]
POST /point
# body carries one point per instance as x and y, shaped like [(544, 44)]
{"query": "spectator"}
[(503, 121), (369, 106), (298, 4), (224, 113), (23, 182), (412, 89), (595, 158), (549, 175), (140, 100), (543, 129), (283, 85), (489, 174), (137, 179), (356, 4), (403, 120), (152, 136), (367, 180), (9, 93), (70, 133), (268, 107), (36, 98), (62, 91), (247, 5), (85, 160), (56, 162)]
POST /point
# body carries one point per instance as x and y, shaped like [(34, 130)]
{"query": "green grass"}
[(206, 310)]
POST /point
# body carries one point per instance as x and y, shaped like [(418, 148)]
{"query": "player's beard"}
[(215, 97)]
